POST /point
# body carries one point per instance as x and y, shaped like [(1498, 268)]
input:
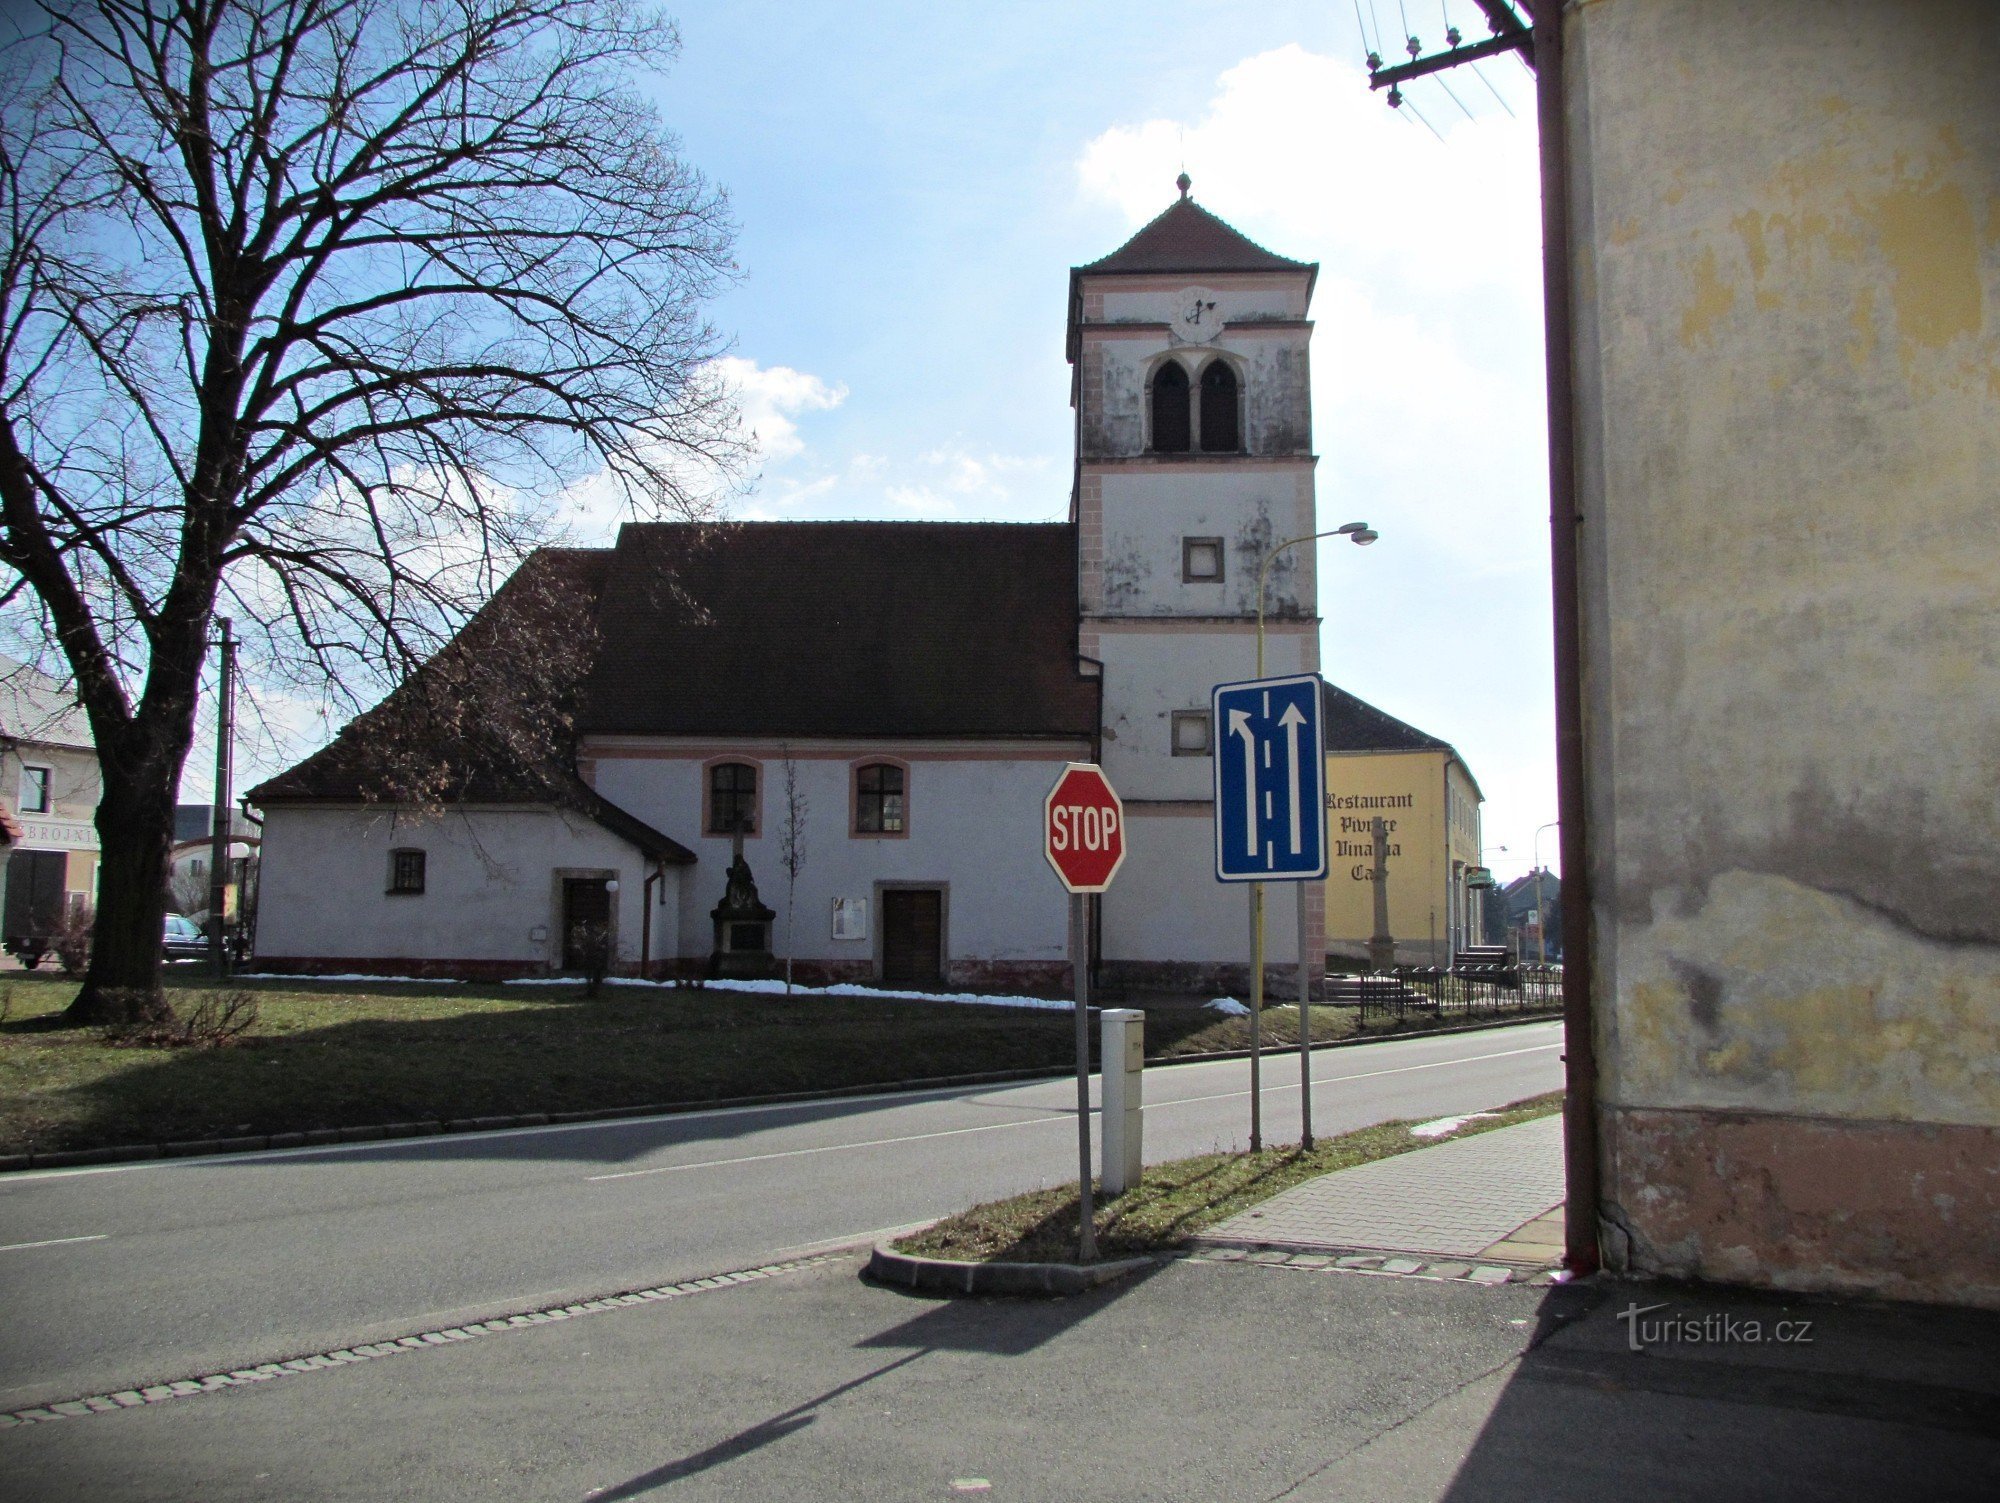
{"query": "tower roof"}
[(1186, 237)]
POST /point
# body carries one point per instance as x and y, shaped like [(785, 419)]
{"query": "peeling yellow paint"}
[(1713, 298), (1751, 227), (1623, 231), (1879, 1023), (1927, 239), (1861, 348), (1768, 300), (1833, 104)]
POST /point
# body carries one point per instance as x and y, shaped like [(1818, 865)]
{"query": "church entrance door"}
[(913, 935), (586, 919)]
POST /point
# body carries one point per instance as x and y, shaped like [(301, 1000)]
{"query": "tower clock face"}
[(1197, 316)]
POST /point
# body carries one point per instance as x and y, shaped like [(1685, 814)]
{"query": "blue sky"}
[(913, 182)]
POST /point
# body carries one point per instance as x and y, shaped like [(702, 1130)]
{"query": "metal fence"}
[(1454, 995)]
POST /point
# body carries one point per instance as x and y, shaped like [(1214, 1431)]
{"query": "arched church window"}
[(732, 798), (1171, 428), (1220, 431), (878, 799)]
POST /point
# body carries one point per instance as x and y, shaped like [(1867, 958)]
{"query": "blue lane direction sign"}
[(1270, 780)]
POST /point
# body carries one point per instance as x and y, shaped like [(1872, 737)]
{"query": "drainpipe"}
[(658, 874), (1580, 1116)]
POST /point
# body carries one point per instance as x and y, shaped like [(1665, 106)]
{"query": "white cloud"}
[(1427, 367), (771, 398), (1427, 376)]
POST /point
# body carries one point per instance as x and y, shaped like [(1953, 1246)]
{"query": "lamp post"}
[(1361, 534), (1541, 914)]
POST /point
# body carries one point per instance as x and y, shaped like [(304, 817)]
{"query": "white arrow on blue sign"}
[(1270, 780)]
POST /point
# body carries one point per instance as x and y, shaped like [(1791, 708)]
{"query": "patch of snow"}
[(1444, 1126), (810, 993), (358, 976), (1229, 1007)]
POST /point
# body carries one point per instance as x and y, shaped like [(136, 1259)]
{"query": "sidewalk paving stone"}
[(1456, 1199)]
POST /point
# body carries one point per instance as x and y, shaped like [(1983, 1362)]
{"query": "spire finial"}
[(1184, 182)]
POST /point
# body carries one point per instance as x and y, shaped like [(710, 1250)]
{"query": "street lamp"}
[(1361, 534)]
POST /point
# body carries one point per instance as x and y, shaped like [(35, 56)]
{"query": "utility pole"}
[(218, 861)]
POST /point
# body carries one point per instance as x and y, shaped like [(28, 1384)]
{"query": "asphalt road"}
[(142, 1273)]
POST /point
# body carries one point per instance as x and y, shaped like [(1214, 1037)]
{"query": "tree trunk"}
[(135, 827)]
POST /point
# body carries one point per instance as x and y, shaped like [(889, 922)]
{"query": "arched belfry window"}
[(1171, 428), (1221, 433)]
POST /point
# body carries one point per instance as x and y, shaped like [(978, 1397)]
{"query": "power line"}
[(1481, 76)]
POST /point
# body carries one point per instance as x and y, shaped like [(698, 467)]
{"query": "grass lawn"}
[(1174, 1201), (1177, 1032), (333, 1054), (329, 1054)]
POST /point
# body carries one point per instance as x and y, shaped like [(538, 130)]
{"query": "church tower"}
[(1193, 459)]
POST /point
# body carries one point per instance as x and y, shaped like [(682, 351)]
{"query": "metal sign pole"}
[(1305, 1028), (1079, 918), (1256, 1016)]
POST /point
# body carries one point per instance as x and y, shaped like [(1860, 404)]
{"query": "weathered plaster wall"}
[(1148, 510), (974, 828), (491, 881), (1169, 923), (1786, 240)]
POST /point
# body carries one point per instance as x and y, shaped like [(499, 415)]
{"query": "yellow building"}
[(1377, 767)]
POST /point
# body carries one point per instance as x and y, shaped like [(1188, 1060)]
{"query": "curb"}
[(948, 1276), (75, 1158), (1477, 1269)]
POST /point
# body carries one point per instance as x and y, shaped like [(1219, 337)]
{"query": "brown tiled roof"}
[(1186, 237), (490, 719), (1353, 724), (878, 629)]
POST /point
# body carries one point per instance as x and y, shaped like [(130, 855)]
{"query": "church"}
[(865, 715)]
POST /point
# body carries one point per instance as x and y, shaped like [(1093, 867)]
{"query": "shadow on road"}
[(991, 1327), (1661, 1390)]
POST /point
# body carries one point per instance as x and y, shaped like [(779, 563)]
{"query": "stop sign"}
[(1083, 828)]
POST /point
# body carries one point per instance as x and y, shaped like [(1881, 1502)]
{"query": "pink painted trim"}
[(837, 753)]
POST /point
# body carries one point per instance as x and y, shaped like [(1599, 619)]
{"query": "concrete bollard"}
[(1123, 1061)]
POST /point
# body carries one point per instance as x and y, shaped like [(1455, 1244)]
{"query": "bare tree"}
[(187, 890), (309, 310), (792, 854)]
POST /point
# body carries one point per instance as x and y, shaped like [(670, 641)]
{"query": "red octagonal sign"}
[(1083, 828)]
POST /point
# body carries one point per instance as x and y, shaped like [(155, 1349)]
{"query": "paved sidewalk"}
[(1458, 1199), (1196, 1383)]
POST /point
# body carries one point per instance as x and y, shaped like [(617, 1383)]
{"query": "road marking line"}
[(1045, 1121), (54, 1242)]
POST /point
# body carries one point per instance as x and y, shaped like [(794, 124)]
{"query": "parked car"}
[(183, 939)]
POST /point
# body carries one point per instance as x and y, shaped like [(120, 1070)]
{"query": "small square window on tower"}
[(1191, 733), (1201, 560)]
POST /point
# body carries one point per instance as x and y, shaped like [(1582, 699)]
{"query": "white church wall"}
[(1150, 299), (1149, 674), (492, 888), (1147, 512), (973, 819), (1168, 922)]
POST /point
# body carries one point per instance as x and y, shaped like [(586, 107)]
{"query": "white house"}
[(917, 685)]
